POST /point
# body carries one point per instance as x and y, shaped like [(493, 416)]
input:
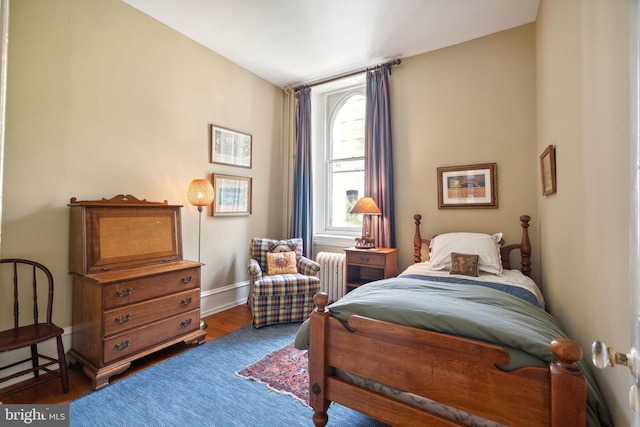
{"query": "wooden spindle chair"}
[(30, 335)]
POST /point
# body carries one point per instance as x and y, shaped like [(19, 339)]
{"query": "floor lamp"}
[(200, 194)]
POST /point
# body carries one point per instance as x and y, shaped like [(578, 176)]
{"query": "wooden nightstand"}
[(364, 266)]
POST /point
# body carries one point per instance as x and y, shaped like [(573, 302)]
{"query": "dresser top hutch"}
[(122, 232)]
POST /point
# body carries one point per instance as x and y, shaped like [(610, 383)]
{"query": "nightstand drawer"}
[(366, 258)]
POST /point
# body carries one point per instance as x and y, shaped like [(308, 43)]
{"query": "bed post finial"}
[(417, 240), (320, 299), (525, 245), (567, 379)]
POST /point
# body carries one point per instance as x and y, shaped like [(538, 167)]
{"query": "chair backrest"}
[(29, 272), (260, 246)]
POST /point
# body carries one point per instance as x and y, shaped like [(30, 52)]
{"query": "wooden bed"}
[(455, 371)]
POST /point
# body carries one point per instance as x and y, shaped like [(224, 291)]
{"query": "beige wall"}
[(467, 104), (103, 100), (583, 110)]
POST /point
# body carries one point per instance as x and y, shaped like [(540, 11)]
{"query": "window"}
[(339, 128), (344, 160)]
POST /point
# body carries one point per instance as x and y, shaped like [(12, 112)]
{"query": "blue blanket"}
[(516, 291), (475, 312)]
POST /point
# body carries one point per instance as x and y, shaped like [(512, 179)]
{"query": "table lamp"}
[(367, 207)]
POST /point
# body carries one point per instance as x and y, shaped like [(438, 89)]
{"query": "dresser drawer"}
[(366, 258), (134, 315), (136, 290), (135, 340)]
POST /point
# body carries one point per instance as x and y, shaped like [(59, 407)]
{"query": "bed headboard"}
[(505, 251)]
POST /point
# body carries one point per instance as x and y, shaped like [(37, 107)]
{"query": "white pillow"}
[(484, 245)]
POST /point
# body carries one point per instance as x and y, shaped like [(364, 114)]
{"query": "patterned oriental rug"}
[(283, 371)]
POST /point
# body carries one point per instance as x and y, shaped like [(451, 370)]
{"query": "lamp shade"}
[(200, 192), (366, 205)]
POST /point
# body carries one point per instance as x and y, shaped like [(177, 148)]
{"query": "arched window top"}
[(347, 128)]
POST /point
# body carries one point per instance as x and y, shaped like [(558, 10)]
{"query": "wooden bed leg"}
[(320, 419), (318, 367), (568, 386)]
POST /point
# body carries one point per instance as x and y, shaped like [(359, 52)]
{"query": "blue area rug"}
[(200, 388)]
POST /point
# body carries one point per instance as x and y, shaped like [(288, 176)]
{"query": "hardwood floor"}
[(50, 392)]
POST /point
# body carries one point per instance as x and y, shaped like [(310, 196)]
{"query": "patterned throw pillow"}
[(464, 264), (282, 246), (281, 263)]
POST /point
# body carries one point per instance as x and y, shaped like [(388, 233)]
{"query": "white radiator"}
[(332, 274)]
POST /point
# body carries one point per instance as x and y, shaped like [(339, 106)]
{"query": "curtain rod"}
[(388, 64)]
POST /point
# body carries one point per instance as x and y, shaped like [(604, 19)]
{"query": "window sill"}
[(334, 240)]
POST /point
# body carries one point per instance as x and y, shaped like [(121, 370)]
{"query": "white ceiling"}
[(291, 42)]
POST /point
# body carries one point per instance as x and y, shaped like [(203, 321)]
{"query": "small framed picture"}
[(232, 195), (548, 170), (230, 147), (469, 186)]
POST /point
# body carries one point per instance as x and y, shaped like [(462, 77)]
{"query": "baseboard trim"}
[(220, 299)]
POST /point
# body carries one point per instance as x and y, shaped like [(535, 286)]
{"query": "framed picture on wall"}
[(548, 170), (469, 186), (232, 195), (230, 147)]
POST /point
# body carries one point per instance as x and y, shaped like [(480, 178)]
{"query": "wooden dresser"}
[(133, 294)]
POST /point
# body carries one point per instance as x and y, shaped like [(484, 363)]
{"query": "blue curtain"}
[(302, 207), (378, 158)]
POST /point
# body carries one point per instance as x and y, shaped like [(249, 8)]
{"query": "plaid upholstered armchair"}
[(282, 281)]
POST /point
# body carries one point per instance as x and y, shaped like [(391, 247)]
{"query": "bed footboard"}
[(458, 372)]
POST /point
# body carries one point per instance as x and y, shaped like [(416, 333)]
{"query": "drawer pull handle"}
[(187, 279), (124, 293), (364, 259), (123, 319), (124, 344), (187, 301), (186, 323)]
